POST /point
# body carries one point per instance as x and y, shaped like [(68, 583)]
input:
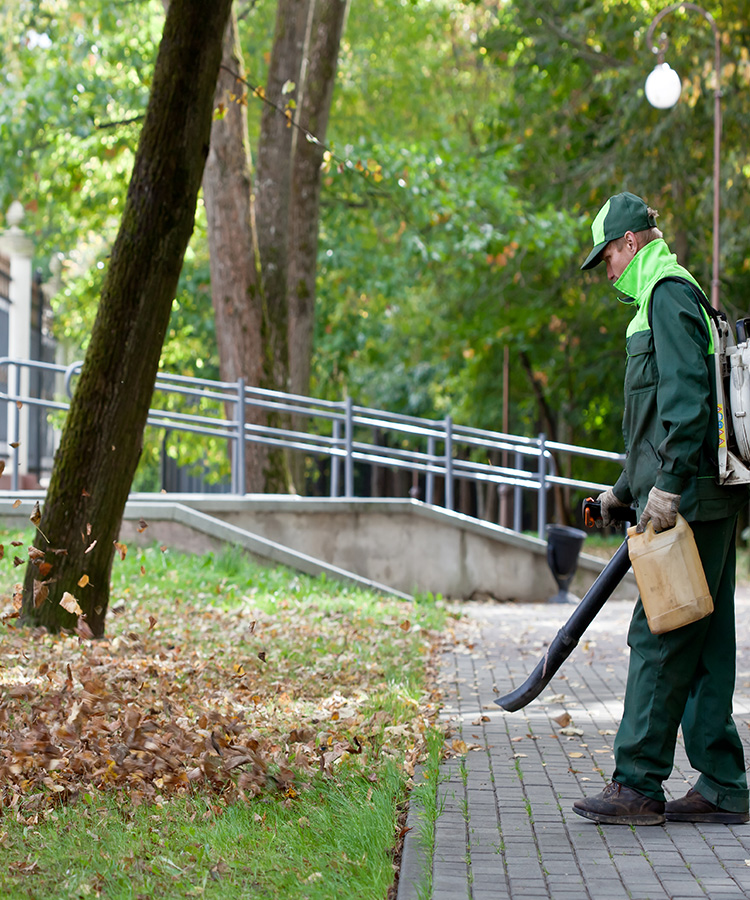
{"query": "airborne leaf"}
[(41, 592), (70, 604), (36, 515), (122, 549)]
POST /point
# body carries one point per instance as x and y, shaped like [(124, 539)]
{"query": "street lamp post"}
[(663, 90)]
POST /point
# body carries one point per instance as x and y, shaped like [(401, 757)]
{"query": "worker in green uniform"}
[(686, 676)]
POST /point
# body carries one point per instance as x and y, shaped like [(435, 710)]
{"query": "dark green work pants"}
[(687, 677)]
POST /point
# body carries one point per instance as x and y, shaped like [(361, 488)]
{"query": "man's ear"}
[(631, 242)]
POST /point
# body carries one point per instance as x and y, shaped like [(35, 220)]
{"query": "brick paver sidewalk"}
[(506, 829)]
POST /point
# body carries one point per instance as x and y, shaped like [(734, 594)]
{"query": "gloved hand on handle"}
[(608, 501), (661, 509)]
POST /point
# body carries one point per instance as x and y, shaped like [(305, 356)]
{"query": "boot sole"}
[(601, 819), (715, 818)]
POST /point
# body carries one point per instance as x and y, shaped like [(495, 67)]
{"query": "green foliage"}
[(78, 80), (487, 136), (497, 152)]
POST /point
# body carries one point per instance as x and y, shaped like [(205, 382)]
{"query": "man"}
[(670, 426)]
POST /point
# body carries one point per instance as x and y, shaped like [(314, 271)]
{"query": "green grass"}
[(334, 839), (297, 667)]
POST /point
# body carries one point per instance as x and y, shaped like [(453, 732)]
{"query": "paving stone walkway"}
[(506, 830)]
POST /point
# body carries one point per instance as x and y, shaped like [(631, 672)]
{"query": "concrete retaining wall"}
[(403, 546)]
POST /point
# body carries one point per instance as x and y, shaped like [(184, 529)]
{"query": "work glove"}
[(608, 501), (661, 510)]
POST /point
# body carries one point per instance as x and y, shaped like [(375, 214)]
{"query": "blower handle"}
[(592, 513)]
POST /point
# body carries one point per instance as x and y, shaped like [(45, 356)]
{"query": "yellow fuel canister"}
[(670, 576)]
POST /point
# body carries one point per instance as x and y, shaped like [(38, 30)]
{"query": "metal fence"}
[(439, 454)]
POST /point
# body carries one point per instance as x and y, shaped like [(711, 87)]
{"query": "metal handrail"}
[(433, 457)]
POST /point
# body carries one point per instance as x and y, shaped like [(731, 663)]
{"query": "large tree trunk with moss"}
[(235, 269), (103, 433), (304, 213)]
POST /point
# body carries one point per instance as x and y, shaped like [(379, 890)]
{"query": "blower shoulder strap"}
[(715, 315)]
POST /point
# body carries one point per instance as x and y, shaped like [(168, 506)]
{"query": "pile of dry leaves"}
[(234, 702)]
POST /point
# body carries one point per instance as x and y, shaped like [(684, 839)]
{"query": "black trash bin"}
[(563, 547)]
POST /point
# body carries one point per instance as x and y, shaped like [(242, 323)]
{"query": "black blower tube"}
[(568, 636)]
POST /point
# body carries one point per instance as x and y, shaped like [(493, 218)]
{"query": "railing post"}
[(14, 430), (335, 461), (429, 495), (542, 498), (239, 473), (518, 497), (449, 462), (348, 443)]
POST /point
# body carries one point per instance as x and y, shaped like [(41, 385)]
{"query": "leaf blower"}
[(568, 636)]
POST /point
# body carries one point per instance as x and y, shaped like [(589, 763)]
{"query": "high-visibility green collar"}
[(651, 264)]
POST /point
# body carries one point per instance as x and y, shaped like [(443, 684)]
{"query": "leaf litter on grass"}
[(186, 693)]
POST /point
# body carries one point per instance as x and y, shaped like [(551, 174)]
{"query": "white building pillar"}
[(19, 249)]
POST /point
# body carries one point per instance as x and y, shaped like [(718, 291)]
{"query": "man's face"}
[(617, 258)]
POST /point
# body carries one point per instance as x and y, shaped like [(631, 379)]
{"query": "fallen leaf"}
[(575, 755), (563, 719), (571, 730)]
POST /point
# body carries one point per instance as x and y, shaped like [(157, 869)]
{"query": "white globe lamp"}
[(663, 87)]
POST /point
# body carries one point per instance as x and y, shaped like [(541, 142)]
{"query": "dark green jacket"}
[(670, 423)]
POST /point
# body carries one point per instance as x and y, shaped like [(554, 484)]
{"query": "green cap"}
[(621, 213)]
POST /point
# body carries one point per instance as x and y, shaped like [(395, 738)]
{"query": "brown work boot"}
[(694, 807), (618, 804)]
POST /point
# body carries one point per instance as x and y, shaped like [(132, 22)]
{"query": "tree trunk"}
[(235, 275), (325, 37), (272, 209), (548, 423), (102, 438)]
